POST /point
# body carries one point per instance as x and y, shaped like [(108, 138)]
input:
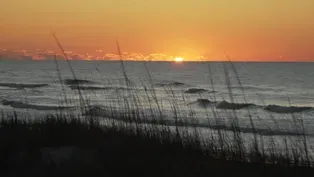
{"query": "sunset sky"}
[(245, 29)]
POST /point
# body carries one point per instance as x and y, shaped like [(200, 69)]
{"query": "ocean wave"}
[(121, 116), (22, 86), (220, 105), (202, 102), (21, 105), (286, 109), (196, 90), (170, 84), (251, 87), (77, 81), (79, 87), (234, 106), (260, 131)]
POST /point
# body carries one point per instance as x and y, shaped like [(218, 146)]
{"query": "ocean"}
[(273, 95)]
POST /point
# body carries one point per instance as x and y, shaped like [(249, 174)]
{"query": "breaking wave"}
[(121, 116), (21, 105), (260, 131), (251, 87), (79, 87), (77, 81), (286, 109), (234, 106), (22, 86), (202, 103), (170, 84), (196, 90)]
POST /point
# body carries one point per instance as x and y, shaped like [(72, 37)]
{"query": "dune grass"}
[(118, 149), (139, 143)]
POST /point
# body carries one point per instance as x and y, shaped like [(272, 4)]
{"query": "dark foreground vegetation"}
[(63, 145), (74, 145)]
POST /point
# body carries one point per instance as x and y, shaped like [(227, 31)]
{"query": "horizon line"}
[(167, 60)]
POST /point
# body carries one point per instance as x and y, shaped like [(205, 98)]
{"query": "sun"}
[(178, 59)]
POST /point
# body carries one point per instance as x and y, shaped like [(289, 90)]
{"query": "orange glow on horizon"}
[(39, 54), (251, 30)]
